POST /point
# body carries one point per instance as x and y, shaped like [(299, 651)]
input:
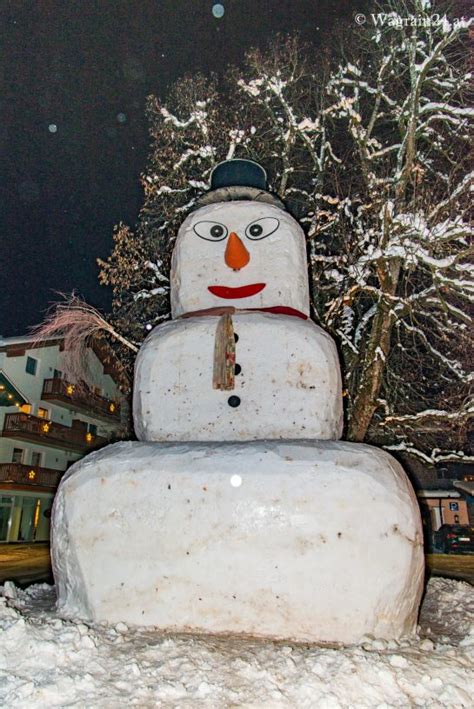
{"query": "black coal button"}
[(236, 337), (237, 369), (233, 401)]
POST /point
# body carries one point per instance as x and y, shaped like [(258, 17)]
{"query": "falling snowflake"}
[(218, 10)]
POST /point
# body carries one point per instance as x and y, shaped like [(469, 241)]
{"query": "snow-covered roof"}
[(438, 493), (101, 349), (25, 339), (465, 486)]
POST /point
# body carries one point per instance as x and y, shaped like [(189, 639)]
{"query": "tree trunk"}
[(365, 402)]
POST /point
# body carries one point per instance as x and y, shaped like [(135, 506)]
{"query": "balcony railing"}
[(80, 398), (29, 475), (25, 427)]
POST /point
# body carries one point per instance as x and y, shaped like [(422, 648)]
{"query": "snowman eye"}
[(211, 231), (262, 228)]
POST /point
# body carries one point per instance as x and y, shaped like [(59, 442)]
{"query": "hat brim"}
[(238, 194)]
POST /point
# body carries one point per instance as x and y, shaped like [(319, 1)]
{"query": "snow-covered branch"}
[(435, 456)]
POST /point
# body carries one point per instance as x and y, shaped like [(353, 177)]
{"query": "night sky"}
[(73, 134)]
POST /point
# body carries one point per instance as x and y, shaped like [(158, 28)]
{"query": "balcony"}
[(24, 427), (80, 398), (29, 475)]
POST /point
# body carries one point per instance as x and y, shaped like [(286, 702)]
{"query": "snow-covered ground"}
[(48, 662)]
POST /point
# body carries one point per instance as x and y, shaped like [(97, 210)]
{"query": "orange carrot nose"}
[(236, 255)]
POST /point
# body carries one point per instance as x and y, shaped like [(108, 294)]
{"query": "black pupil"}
[(256, 230), (217, 230)]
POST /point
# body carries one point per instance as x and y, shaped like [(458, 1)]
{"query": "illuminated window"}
[(31, 365), (43, 413), (37, 513), (26, 408), (91, 432)]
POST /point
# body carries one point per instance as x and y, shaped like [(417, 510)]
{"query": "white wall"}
[(30, 386)]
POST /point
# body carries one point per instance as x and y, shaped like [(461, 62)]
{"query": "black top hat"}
[(238, 179), (238, 173)]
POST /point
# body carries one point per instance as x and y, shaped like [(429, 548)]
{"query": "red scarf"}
[(277, 309)]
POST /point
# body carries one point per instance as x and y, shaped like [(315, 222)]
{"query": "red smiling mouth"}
[(241, 292)]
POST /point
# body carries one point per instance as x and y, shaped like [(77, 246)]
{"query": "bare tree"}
[(403, 273)]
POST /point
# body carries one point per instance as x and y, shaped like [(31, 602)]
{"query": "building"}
[(46, 424), (466, 487), (445, 493), (443, 507)]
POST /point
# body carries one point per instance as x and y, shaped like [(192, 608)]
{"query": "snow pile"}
[(46, 661)]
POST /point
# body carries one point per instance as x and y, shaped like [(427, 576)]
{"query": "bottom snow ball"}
[(298, 540)]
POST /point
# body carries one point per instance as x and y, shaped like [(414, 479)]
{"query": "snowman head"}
[(240, 249)]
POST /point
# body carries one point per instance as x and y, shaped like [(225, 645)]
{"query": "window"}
[(36, 458), (6, 504), (98, 391), (57, 374), (456, 519), (43, 413), (31, 365), (92, 428), (17, 455), (25, 409)]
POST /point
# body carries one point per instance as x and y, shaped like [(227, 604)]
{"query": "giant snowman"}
[(240, 511)]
